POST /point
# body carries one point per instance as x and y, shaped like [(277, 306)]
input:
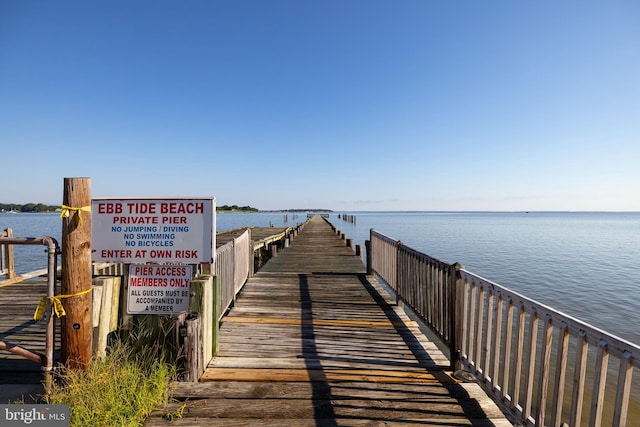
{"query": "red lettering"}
[(143, 270), (174, 219), (141, 208), (182, 208), (109, 208), (191, 254), (115, 253), (160, 254)]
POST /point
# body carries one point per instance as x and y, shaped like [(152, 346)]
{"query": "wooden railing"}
[(7, 268), (540, 363), (421, 281), (233, 266)]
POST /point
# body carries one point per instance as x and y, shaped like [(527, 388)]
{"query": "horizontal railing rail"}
[(264, 243), (547, 368)]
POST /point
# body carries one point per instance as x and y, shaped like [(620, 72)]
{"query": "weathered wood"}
[(530, 363), (302, 390), (76, 274), (194, 365), (331, 403), (23, 277), (324, 374), (201, 301), (9, 257), (18, 303), (313, 340), (106, 293), (194, 327), (217, 314)]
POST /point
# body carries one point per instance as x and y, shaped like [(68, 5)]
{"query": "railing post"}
[(251, 257), (217, 308), (234, 268), (11, 271), (398, 277), (368, 244), (455, 316)]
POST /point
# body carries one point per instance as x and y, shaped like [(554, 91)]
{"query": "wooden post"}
[(217, 314), (11, 272), (367, 248), (194, 366), (252, 256), (76, 327), (455, 316)]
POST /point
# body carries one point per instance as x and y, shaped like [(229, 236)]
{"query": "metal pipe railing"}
[(52, 266)]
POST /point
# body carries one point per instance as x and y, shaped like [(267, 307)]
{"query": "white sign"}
[(153, 230), (158, 289)]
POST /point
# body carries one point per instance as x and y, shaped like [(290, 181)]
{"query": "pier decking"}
[(21, 378), (313, 340)]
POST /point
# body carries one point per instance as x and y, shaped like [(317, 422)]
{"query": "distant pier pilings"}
[(348, 218)]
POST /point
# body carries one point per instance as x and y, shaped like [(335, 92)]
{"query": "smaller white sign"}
[(158, 289)]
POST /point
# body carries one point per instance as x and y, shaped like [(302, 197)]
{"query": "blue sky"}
[(345, 105)]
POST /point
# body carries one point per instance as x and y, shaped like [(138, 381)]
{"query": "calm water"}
[(584, 264)]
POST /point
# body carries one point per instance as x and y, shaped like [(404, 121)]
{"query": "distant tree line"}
[(29, 207), (302, 210), (236, 208)]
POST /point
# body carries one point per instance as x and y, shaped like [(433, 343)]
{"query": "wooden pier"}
[(313, 340)]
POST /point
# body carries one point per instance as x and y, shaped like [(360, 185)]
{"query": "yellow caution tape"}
[(56, 304), (66, 209)]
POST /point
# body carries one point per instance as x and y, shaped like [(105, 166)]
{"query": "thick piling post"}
[(76, 325)]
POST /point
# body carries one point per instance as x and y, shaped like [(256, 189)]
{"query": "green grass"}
[(120, 389)]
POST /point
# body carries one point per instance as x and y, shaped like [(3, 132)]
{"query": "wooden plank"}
[(23, 277), (249, 422), (298, 363), (306, 375), (18, 302), (320, 322), (305, 390)]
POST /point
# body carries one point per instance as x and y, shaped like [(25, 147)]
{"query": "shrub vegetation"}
[(125, 386)]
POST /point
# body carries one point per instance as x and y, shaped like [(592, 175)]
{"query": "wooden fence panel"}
[(520, 351), (224, 270), (534, 368), (232, 266), (243, 259)]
